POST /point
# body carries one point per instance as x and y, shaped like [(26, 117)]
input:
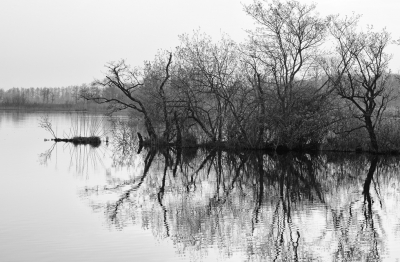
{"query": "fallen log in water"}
[(94, 141)]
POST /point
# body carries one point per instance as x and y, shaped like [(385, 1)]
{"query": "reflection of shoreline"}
[(268, 207)]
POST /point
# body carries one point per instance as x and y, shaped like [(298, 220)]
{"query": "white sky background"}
[(54, 43)]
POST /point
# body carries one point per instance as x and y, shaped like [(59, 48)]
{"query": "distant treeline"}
[(52, 98)]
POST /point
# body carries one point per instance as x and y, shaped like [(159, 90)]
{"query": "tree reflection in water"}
[(262, 206)]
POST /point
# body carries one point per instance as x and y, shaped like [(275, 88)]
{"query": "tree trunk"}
[(178, 131), (149, 128), (371, 133), (260, 138)]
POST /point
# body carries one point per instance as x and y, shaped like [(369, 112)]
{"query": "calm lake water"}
[(61, 202)]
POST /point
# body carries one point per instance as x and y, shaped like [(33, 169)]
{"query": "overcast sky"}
[(54, 43)]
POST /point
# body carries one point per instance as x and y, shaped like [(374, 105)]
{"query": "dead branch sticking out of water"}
[(45, 123)]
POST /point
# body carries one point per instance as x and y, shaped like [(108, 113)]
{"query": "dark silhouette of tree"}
[(360, 73), (286, 43), (130, 84)]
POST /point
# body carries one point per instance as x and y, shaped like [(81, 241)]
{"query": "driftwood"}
[(94, 141)]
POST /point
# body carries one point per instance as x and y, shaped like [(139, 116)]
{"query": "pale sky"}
[(54, 43)]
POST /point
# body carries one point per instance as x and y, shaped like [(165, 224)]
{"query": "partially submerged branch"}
[(77, 139)]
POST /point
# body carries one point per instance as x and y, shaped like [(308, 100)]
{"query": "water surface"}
[(61, 202)]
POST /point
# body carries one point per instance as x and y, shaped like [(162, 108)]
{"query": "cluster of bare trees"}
[(298, 79)]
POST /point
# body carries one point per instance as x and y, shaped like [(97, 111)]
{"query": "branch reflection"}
[(290, 207), (253, 205)]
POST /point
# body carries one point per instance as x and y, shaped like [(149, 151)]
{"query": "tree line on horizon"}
[(44, 97)]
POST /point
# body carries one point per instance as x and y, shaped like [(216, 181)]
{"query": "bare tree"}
[(286, 43), (209, 83), (254, 76), (131, 85), (360, 73)]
